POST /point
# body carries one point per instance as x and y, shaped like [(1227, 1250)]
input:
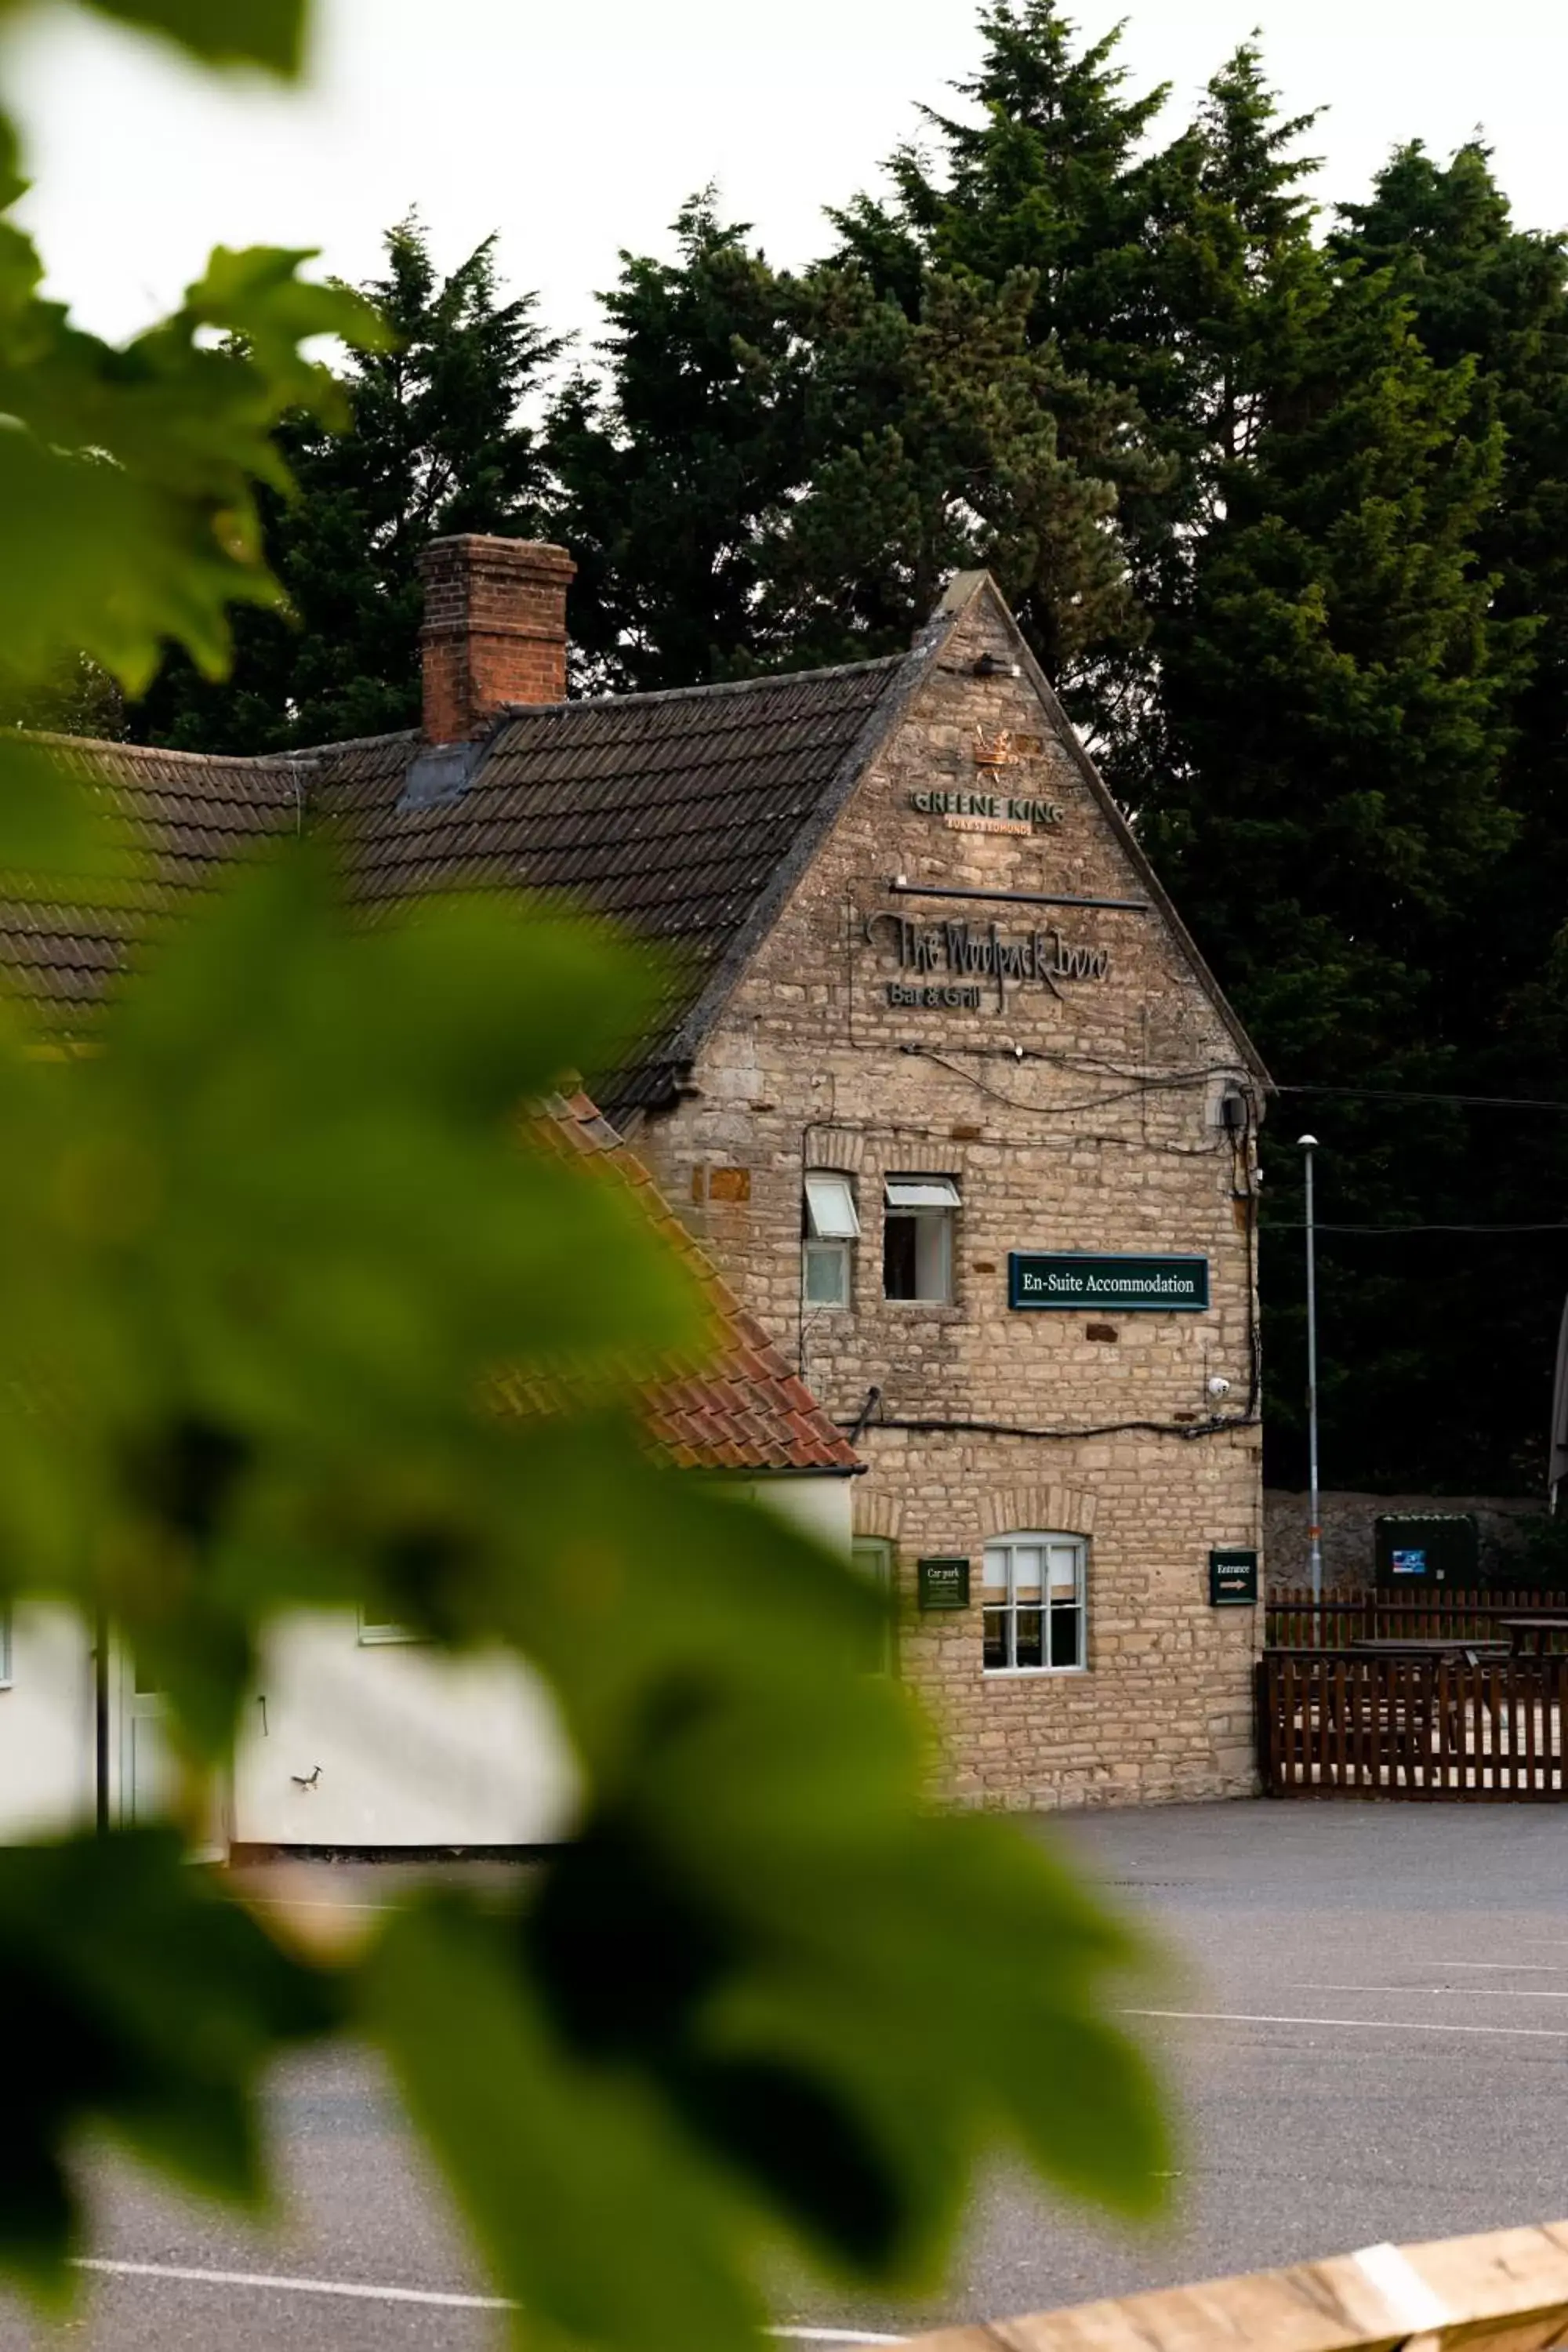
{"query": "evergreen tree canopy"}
[(673, 457), (436, 444), (1282, 505)]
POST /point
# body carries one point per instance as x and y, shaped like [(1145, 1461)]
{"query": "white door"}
[(146, 1764)]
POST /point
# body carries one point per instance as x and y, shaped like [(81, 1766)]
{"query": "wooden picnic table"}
[(1519, 1629)]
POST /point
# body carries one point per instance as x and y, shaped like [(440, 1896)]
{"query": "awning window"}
[(830, 1209), (922, 1193)]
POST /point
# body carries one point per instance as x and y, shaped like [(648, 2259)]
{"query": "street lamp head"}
[(1308, 1143)]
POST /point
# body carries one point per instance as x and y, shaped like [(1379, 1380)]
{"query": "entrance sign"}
[(1073, 1280), (1233, 1579), (942, 1583)]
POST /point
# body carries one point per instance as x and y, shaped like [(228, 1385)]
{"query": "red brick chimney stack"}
[(495, 629)]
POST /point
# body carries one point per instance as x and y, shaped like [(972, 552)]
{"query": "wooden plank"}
[(1533, 1686), (1342, 1703), (1504, 2292)]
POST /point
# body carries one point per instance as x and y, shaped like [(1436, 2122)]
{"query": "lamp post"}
[(1310, 1145)]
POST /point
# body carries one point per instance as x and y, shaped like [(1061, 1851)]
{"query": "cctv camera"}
[(1218, 1385)]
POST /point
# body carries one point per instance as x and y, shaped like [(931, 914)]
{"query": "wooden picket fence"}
[(1292, 1621), (1505, 2291), (1363, 1724)]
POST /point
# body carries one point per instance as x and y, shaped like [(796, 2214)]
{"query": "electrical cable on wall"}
[(1216, 1425)]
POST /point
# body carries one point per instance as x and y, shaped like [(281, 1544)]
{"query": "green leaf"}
[(130, 477), (762, 1873), (269, 33), (267, 1253), (149, 2005), (587, 2207)]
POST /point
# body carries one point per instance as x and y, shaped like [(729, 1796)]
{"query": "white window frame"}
[(831, 1225), (931, 1203), (7, 1644), (1001, 1606)]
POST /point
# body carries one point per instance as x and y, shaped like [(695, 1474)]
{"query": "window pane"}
[(828, 1273), (1064, 1568), (1067, 1643), (898, 1258), (830, 1208), (996, 1638), (1028, 1571), (922, 1193), (995, 1571), (1030, 1650), (933, 1254)]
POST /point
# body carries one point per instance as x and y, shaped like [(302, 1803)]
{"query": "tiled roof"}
[(188, 815), (675, 814), (744, 1409)]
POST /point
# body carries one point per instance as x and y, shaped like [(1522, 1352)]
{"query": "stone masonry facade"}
[(1078, 1102)]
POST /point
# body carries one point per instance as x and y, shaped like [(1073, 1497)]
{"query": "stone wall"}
[(1076, 1111), (1347, 1525)]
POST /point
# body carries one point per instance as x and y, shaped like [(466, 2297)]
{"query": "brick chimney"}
[(495, 629)]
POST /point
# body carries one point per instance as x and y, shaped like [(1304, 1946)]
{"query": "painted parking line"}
[(1471, 1992), (357, 2291), (281, 2283), (1508, 1968), (1360, 2024)]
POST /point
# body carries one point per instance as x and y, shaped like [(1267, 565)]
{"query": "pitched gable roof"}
[(675, 813), (741, 1410), (963, 590), (688, 815)]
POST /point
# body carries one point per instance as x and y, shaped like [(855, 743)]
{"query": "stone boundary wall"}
[(1348, 1530)]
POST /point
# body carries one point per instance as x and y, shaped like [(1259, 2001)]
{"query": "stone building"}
[(945, 1088)]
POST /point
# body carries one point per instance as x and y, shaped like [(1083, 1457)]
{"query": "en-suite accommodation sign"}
[(1074, 1281)]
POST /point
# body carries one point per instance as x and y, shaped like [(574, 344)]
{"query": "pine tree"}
[(936, 444), (1160, 275), (674, 453), (437, 446), (1336, 692), (1485, 293)]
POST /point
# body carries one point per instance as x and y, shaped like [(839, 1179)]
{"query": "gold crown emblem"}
[(993, 750)]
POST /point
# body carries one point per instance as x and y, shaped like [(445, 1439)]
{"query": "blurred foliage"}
[(266, 1242)]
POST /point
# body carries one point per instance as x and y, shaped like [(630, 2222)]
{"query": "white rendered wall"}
[(46, 1725), (415, 1749), (820, 1508)]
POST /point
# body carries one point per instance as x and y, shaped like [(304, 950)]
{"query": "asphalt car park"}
[(1360, 2013)]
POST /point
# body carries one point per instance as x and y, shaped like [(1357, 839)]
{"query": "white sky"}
[(575, 129)]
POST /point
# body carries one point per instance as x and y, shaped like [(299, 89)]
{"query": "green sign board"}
[(1233, 1579), (1078, 1283), (942, 1583)]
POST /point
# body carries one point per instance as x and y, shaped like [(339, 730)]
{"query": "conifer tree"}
[(936, 444), (438, 445), (672, 456), (1335, 693)]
